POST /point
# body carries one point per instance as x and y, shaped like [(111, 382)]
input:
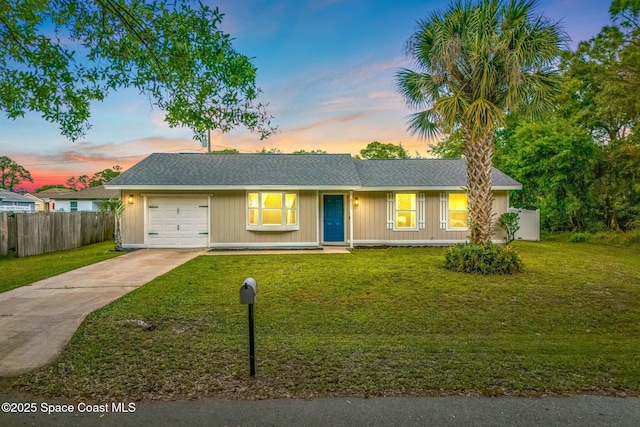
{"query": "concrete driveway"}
[(38, 320)]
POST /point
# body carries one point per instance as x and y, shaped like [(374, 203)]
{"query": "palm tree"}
[(475, 63), (115, 205)]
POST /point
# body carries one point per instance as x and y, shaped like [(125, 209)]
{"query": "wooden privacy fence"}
[(43, 232)]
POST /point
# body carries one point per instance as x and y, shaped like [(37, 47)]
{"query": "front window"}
[(272, 211), (74, 206), (405, 205), (458, 211)]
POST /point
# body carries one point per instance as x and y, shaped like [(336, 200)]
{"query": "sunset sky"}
[(326, 68)]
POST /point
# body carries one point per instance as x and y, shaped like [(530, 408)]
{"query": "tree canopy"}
[(104, 176), (450, 147), (50, 186), (97, 179), (581, 183), (225, 151), (554, 160), (12, 174), (57, 57), (318, 151), (379, 150)]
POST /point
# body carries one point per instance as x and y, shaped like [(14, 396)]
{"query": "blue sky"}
[(326, 69)]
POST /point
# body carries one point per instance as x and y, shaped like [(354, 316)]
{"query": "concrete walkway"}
[(38, 320)]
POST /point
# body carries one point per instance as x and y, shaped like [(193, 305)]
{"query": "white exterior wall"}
[(83, 206)]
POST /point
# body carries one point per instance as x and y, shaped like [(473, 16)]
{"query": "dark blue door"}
[(333, 218)]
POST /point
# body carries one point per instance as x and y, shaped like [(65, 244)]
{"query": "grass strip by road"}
[(372, 323), (16, 272)]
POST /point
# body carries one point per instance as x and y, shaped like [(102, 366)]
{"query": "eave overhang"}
[(296, 188)]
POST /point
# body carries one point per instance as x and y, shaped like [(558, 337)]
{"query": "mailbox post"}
[(248, 293)]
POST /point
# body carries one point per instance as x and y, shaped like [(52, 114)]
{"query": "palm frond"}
[(114, 204), (425, 124), (479, 60), (418, 89)]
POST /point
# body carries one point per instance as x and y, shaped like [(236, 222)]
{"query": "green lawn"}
[(373, 323), (16, 272)]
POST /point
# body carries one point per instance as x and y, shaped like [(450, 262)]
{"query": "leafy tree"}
[(12, 174), (99, 178), (309, 152), (272, 150), (616, 187), (600, 95), (50, 186), (378, 150), (117, 206), (626, 14), (450, 147), (602, 77), (596, 96), (78, 183), (553, 159), (57, 57), (474, 62), (225, 151)]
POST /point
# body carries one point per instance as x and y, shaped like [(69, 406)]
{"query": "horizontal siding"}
[(229, 221), (133, 219), (370, 220)]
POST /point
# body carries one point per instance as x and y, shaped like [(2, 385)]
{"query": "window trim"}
[(73, 208), (420, 211), (283, 226), (448, 211), (396, 210)]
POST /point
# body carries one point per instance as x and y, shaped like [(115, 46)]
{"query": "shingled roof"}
[(240, 170), (423, 173), (304, 171), (10, 196), (52, 193), (90, 193)]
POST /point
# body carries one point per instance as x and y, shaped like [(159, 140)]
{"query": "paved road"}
[(38, 320), (579, 411)]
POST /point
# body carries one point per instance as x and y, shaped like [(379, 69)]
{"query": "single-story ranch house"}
[(85, 200), (14, 202), (296, 201)]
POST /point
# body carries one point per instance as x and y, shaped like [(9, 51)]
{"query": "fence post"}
[(4, 234)]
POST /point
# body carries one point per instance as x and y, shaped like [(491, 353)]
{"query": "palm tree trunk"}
[(479, 154), (118, 234)]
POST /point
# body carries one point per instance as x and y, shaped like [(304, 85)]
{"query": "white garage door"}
[(178, 222)]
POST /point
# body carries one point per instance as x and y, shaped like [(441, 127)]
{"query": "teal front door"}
[(333, 217)]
